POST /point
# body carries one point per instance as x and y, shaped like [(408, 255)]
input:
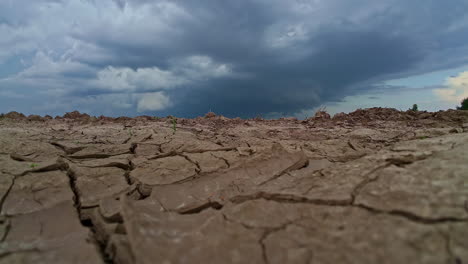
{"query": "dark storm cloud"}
[(283, 56), (342, 60), (227, 31)]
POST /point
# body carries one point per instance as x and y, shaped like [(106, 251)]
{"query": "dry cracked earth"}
[(373, 186)]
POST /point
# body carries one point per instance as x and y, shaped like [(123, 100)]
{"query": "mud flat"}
[(373, 186)]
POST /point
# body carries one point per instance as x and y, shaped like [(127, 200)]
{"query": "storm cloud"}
[(236, 58)]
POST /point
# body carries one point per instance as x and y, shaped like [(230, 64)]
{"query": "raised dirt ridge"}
[(373, 186)]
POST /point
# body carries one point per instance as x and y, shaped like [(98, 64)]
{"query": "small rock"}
[(291, 119), (456, 130), (110, 208), (245, 151), (425, 115), (322, 115), (210, 115), (223, 118)]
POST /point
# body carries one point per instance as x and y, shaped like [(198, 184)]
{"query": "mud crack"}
[(287, 198), (302, 163), (413, 217), (367, 179), (86, 223), (193, 151), (3, 198)]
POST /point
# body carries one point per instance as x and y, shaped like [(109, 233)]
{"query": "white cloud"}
[(28, 26), (57, 72), (49, 75), (185, 71), (200, 67), (45, 66), (153, 102), (284, 36), (126, 79), (136, 25), (14, 41), (456, 90)]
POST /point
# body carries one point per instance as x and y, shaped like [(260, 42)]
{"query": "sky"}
[(242, 58)]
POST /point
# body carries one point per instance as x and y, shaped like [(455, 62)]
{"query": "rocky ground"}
[(373, 186)]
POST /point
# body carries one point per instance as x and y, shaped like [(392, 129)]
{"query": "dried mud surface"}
[(373, 186)]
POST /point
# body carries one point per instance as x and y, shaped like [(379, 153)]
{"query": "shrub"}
[(464, 104), (415, 107)]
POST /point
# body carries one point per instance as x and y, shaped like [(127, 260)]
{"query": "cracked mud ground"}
[(373, 186)]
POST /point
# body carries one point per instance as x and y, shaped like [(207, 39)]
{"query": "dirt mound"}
[(321, 115), (76, 115), (14, 115), (210, 115), (35, 118), (378, 113), (375, 185), (390, 114)]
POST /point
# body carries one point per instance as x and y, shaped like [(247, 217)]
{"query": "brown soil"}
[(373, 186)]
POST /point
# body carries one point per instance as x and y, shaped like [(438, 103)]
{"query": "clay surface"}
[(373, 186)]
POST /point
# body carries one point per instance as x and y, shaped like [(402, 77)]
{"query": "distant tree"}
[(464, 104), (415, 107)]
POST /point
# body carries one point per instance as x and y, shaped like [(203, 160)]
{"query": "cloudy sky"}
[(237, 58)]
